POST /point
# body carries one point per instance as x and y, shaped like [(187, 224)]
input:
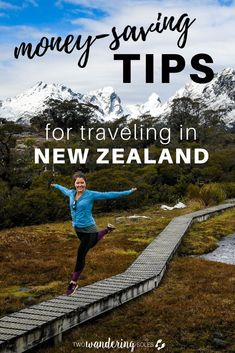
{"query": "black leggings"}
[(88, 241)]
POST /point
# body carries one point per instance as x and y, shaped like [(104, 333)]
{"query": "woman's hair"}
[(79, 175)]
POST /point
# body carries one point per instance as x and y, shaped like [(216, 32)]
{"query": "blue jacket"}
[(82, 214)]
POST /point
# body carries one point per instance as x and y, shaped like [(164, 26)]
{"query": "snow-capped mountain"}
[(217, 94), (151, 107), (107, 101), (34, 101)]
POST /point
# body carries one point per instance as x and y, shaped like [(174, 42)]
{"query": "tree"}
[(185, 112), (65, 114), (214, 128), (8, 134)]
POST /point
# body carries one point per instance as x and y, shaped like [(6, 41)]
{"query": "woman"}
[(81, 202)]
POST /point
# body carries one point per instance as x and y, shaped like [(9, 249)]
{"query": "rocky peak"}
[(223, 83)]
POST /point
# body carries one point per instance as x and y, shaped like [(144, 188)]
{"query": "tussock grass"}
[(15, 291), (196, 204), (142, 240), (209, 194), (126, 252)]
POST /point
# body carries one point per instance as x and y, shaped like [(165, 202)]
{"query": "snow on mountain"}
[(26, 105), (151, 107), (107, 101), (217, 94), (34, 101), (220, 94)]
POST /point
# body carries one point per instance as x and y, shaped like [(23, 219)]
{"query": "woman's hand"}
[(134, 189), (53, 185)]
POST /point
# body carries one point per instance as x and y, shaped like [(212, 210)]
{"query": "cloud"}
[(4, 5), (27, 3), (8, 7), (112, 7), (14, 34)]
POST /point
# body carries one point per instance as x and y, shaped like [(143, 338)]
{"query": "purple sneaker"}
[(110, 227), (71, 288)]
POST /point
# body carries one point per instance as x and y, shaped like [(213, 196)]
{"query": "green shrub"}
[(168, 193)]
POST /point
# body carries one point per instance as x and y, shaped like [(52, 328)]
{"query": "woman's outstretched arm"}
[(97, 195), (64, 190)]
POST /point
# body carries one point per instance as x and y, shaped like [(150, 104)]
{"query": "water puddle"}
[(225, 252), (24, 289)]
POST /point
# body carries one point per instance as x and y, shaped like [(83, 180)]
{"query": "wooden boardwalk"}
[(30, 327)]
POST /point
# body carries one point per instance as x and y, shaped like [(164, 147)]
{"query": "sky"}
[(30, 20)]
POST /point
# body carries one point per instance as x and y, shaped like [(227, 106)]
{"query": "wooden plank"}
[(35, 317), (11, 331), (81, 302), (88, 293), (5, 337), (61, 308), (40, 311), (128, 281), (117, 284), (17, 325), (102, 289), (64, 303), (105, 290), (139, 276), (26, 321), (97, 293)]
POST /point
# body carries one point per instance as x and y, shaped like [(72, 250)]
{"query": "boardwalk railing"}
[(30, 327)]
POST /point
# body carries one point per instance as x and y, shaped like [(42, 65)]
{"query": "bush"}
[(196, 204), (229, 189), (167, 193), (212, 194), (193, 192)]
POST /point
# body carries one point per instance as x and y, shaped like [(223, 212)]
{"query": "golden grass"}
[(126, 252)]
